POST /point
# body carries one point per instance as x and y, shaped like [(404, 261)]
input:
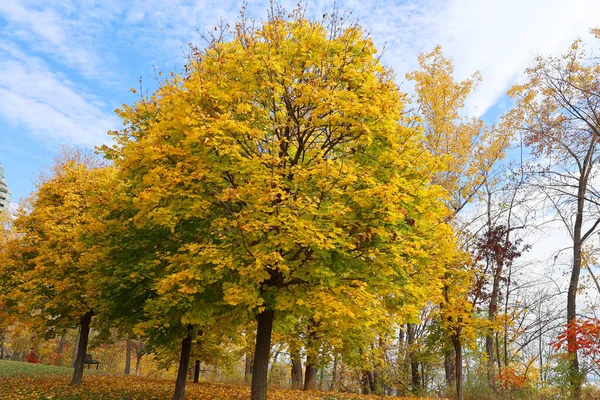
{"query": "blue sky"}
[(66, 65)]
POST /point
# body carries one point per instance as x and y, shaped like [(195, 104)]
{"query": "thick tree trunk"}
[(297, 378), (184, 364), (128, 357), (449, 367), (84, 334), (310, 373), (260, 368), (196, 371), (459, 367)]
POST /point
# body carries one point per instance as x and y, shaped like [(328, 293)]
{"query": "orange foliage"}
[(587, 338), (510, 380), (132, 388)]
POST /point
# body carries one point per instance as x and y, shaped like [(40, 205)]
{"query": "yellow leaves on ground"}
[(136, 388)]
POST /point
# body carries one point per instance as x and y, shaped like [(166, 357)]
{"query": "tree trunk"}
[(459, 367), (575, 376), (74, 355), (138, 359), (184, 364), (260, 367), (334, 374), (196, 371), (248, 369), (366, 388), (449, 367), (84, 333), (297, 378), (310, 373), (62, 341), (414, 365), (128, 357)]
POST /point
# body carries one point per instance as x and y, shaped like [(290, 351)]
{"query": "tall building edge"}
[(4, 192)]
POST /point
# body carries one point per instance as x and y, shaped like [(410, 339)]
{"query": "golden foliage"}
[(135, 388)]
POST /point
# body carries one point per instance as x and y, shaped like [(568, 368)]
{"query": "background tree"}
[(557, 110), (56, 284), (466, 151)]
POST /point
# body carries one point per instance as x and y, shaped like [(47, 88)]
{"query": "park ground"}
[(23, 381)]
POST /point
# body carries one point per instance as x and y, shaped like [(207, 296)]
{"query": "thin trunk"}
[(128, 357), (366, 388), (492, 312), (74, 355), (62, 341), (456, 342), (138, 359), (196, 371), (414, 365), (260, 367), (297, 378), (184, 364), (334, 374), (84, 333), (373, 381), (449, 367), (575, 378), (248, 368)]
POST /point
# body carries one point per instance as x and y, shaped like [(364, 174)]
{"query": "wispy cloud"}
[(48, 104), (89, 40)]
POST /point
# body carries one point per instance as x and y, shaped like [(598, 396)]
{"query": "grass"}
[(19, 368), (14, 368)]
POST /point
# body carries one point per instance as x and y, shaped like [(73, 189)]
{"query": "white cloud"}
[(67, 33), (499, 38), (47, 104)]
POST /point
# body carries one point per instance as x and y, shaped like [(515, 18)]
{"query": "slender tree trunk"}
[(184, 364), (138, 359), (449, 367), (373, 381), (489, 338), (334, 374), (414, 365), (128, 357), (248, 367), (84, 333), (575, 378), (196, 371), (459, 367), (366, 388), (74, 355), (62, 341), (297, 378), (260, 367)]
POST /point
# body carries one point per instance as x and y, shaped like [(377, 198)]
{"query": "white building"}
[(4, 193)]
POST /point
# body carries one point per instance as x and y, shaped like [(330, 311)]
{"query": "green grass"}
[(16, 368)]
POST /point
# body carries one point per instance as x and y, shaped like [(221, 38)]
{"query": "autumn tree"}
[(557, 110), (55, 285), (466, 151), (285, 142)]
